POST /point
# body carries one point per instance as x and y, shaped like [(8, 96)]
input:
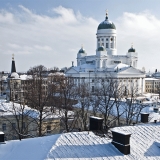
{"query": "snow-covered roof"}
[(151, 79), (14, 75), (4, 78), (7, 109), (144, 144), (11, 108), (25, 77), (56, 73)]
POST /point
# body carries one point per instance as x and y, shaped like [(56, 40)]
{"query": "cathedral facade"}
[(106, 62)]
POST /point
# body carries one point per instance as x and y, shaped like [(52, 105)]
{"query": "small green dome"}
[(101, 48), (81, 50), (131, 50)]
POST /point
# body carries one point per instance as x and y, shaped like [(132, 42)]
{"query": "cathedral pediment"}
[(131, 71), (71, 70)]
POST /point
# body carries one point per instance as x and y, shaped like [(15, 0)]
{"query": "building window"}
[(92, 88), (48, 129), (106, 39), (92, 80), (102, 39), (23, 125), (102, 44), (4, 127), (98, 39), (13, 126), (106, 45)]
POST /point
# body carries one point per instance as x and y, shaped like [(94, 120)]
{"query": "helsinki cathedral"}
[(106, 61)]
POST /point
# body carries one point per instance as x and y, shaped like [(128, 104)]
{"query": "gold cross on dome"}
[(12, 56), (81, 45), (106, 12), (132, 44)]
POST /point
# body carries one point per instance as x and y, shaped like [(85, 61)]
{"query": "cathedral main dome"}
[(106, 24)]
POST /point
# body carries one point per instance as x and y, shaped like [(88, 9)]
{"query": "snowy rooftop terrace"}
[(144, 144)]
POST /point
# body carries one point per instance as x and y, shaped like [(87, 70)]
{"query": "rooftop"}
[(144, 142)]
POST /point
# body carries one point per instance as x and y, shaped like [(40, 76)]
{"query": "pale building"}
[(152, 85), (106, 62)]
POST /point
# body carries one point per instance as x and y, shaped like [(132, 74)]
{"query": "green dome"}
[(131, 50), (101, 48), (106, 24), (81, 50)]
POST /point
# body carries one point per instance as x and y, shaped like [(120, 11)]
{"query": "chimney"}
[(144, 117), (95, 123), (156, 109), (121, 141), (1, 137)]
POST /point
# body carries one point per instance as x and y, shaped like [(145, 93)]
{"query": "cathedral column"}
[(109, 42)]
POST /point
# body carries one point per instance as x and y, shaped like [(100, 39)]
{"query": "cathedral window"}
[(4, 127), (104, 63), (111, 45)]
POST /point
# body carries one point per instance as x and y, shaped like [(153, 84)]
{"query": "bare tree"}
[(132, 106), (67, 98), (105, 95), (38, 95), (19, 116), (84, 103)]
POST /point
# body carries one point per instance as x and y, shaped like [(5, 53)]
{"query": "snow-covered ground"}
[(144, 144)]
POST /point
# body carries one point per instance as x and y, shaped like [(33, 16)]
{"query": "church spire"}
[(13, 66)]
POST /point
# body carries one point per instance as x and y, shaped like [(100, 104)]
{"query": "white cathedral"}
[(107, 62)]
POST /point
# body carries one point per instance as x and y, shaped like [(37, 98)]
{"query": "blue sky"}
[(50, 32)]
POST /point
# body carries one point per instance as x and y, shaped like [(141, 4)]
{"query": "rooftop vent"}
[(121, 141), (144, 117), (156, 109), (95, 123), (1, 137)]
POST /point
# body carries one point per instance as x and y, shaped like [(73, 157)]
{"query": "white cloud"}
[(55, 41), (143, 30), (40, 39)]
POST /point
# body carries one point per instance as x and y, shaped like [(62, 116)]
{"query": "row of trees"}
[(74, 102)]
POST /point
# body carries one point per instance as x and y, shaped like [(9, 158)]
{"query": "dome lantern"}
[(82, 50), (132, 49)]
